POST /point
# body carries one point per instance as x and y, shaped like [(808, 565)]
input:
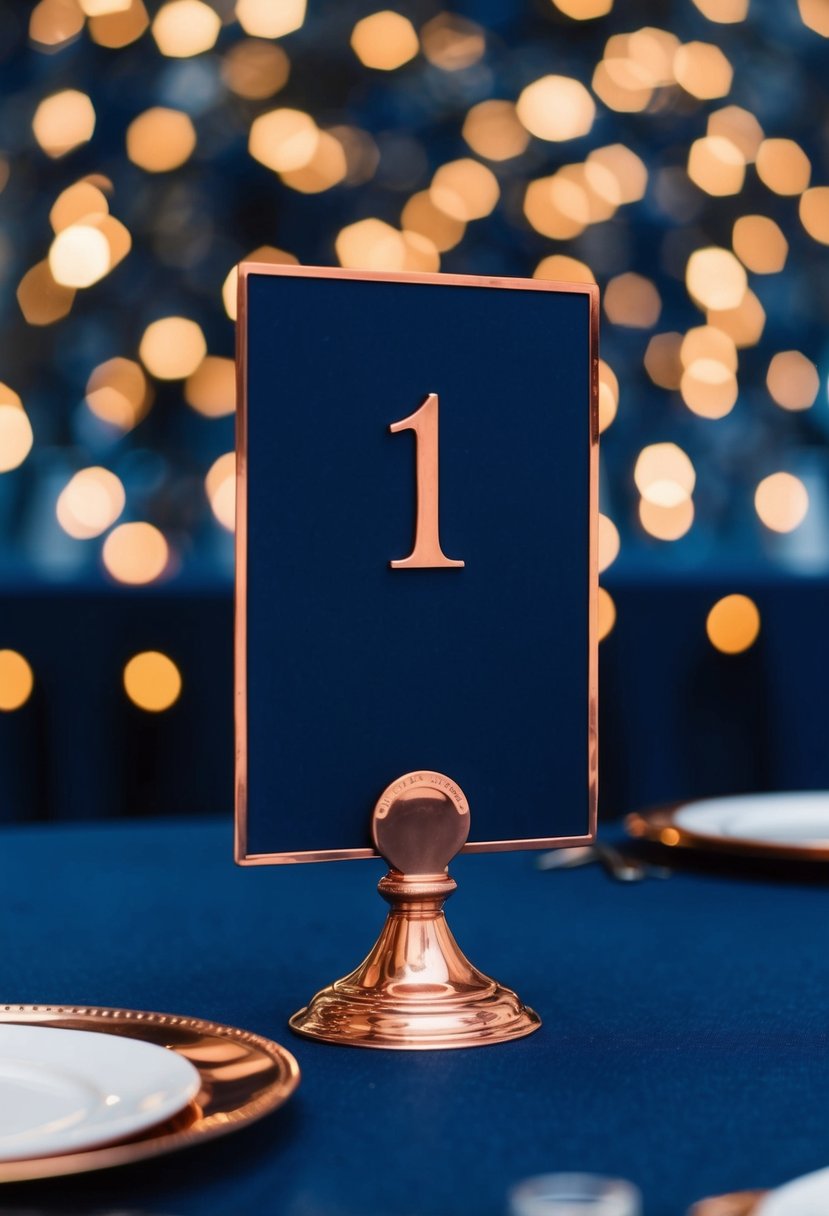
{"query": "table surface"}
[(684, 1043)]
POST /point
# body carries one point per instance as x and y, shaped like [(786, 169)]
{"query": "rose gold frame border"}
[(240, 601)]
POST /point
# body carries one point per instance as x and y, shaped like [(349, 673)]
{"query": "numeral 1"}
[(427, 551)]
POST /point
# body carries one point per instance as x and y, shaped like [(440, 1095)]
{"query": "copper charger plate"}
[(243, 1077), (660, 825)]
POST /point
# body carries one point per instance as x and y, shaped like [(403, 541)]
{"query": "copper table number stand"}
[(417, 990)]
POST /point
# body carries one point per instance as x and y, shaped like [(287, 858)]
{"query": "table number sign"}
[(416, 584)]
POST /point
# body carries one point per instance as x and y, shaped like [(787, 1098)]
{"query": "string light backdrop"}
[(683, 165)]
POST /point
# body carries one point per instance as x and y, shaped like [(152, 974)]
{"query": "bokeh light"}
[(782, 501), (90, 503), (182, 28), (270, 18), (63, 121), (220, 486), (160, 139), (606, 611), (556, 108), (792, 380), (16, 437), (172, 348), (733, 624), (135, 553), (384, 40), (152, 681), (16, 680)]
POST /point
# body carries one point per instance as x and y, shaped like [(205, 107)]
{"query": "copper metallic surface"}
[(416, 991), (427, 551), (243, 1077), (660, 825), (740, 1203), (243, 857)]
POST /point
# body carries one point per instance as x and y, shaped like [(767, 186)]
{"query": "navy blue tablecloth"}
[(684, 1043)]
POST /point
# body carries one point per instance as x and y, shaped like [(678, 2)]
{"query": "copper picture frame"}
[(246, 269)]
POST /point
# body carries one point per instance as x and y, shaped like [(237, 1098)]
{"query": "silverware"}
[(615, 863)]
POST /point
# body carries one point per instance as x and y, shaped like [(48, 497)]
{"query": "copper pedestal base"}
[(417, 990)]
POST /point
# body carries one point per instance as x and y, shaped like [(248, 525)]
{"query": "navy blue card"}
[(352, 671)]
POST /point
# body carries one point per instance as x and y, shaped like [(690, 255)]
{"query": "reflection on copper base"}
[(417, 990)]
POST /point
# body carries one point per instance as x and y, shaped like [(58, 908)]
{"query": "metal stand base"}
[(417, 990)]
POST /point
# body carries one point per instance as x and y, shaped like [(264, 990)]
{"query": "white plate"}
[(64, 1090), (807, 1196), (800, 819)]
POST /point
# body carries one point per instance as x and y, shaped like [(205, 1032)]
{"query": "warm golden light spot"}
[(135, 553), (265, 253), (792, 380), (182, 28), (744, 324), (556, 108), (651, 50), (16, 436), (622, 84), (211, 390), (759, 244), (100, 8), (709, 388), (152, 681), (666, 523), (421, 215), (724, 12), (117, 29), (703, 70), (609, 542), (815, 15), (63, 121), (783, 166), (220, 486), (160, 139), (669, 837), (606, 610), (371, 244), (43, 301), (493, 130), (90, 503), (715, 279), (255, 69), (616, 173), (452, 43), (117, 392), (632, 300), (79, 256), (172, 348), (814, 213), (464, 189), (716, 165), (662, 361), (16, 680), (664, 475), (55, 23), (384, 40), (708, 342), (421, 253), (563, 269), (594, 184), (326, 168), (782, 502), (557, 207), (75, 203), (270, 18), (739, 127), (733, 624), (608, 395), (284, 139), (584, 10)]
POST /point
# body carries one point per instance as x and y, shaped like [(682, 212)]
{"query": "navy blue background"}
[(358, 673)]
